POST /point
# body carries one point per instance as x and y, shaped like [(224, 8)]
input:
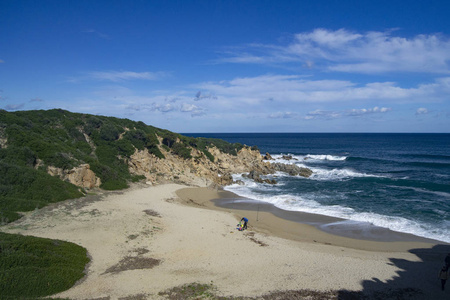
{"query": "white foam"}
[(321, 173), (325, 157), (264, 193), (336, 174), (308, 157)]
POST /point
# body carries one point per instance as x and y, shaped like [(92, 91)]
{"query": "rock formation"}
[(292, 170), (198, 171), (201, 171), (81, 176)]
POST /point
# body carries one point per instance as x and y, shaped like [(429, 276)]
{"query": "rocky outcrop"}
[(288, 157), (81, 176), (267, 156), (256, 176), (198, 170), (3, 139), (292, 170)]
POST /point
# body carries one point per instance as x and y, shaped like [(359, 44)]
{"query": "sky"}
[(233, 66)]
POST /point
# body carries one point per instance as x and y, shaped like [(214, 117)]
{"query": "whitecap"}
[(325, 157), (305, 204), (337, 174)]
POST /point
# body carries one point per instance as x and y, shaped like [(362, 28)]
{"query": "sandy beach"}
[(150, 239)]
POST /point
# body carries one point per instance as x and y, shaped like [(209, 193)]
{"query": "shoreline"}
[(332, 225), (149, 240), (303, 227)]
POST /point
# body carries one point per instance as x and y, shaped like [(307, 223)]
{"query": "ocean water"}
[(396, 181)]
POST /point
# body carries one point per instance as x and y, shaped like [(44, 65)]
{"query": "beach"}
[(149, 239)]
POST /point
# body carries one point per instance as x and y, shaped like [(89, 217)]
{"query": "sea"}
[(399, 181)]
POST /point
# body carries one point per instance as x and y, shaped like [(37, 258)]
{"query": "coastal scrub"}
[(36, 267)]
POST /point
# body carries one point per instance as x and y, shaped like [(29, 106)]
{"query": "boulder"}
[(292, 170), (267, 156), (288, 157), (256, 176), (226, 179)]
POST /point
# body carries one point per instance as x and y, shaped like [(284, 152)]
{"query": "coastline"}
[(303, 227), (150, 239)]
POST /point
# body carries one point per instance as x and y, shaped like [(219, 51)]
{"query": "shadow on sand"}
[(414, 280)]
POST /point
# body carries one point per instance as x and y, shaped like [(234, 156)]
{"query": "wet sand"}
[(305, 227)]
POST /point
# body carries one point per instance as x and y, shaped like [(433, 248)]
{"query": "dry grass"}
[(133, 263)]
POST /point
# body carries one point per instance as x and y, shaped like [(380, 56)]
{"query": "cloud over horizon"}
[(295, 89), (346, 51)]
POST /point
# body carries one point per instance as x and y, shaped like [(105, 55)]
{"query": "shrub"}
[(109, 132), (182, 151), (209, 155), (33, 267)]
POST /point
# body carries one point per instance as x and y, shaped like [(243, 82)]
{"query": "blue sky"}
[(233, 66)]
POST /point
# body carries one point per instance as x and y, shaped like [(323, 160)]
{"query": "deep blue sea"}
[(396, 181)]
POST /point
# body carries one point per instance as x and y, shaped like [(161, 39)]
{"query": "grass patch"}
[(133, 263), (33, 267), (191, 291), (209, 291)]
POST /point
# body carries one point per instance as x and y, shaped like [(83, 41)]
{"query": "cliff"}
[(198, 170), (49, 156)]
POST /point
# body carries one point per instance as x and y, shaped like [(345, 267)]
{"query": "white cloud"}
[(324, 114), (270, 90), (164, 108), (421, 111), (365, 111), (345, 51), (193, 109), (117, 76), (283, 115)]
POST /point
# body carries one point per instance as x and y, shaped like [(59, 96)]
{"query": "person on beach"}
[(443, 276), (245, 220)]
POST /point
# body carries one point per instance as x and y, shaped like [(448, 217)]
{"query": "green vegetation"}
[(58, 138), (24, 189), (32, 267), (30, 142), (191, 291)]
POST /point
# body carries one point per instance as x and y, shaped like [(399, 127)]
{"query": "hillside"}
[(50, 156)]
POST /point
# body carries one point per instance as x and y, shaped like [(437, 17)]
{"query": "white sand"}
[(199, 245)]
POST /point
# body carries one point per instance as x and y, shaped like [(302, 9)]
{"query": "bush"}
[(209, 155), (24, 189), (33, 267), (182, 151), (169, 139), (109, 132)]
